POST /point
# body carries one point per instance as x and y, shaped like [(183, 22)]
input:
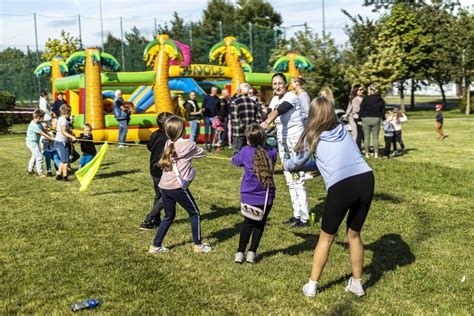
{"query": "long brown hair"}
[(174, 129), (262, 165), (321, 118)]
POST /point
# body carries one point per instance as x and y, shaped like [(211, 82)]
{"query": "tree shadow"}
[(308, 243), (216, 212), (390, 252), (117, 173)]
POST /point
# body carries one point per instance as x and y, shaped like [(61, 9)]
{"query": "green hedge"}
[(7, 101)]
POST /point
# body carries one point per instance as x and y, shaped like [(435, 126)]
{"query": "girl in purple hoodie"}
[(178, 173), (257, 183)]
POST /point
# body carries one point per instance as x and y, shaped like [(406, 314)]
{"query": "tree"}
[(136, 43), (113, 46), (326, 59), (465, 38), (64, 46)]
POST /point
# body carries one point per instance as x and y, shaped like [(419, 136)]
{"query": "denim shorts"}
[(63, 151)]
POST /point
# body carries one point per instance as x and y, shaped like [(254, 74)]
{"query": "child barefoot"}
[(257, 188), (35, 130), (177, 176)]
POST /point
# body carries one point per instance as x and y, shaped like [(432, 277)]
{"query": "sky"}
[(17, 20)]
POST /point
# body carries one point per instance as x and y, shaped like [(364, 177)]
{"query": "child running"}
[(156, 146), (350, 185), (439, 121), (87, 145), (35, 130), (257, 188), (178, 173)]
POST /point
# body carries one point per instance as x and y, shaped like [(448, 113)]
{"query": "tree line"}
[(411, 44)]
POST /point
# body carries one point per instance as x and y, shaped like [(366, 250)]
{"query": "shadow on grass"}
[(308, 243), (386, 197), (390, 253), (216, 213), (117, 173), (114, 192), (226, 233)]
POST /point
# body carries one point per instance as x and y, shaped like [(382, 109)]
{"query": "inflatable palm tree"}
[(158, 54), (229, 52), (293, 63), (56, 67), (93, 59)]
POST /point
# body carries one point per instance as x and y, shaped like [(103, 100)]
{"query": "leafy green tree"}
[(113, 45), (136, 43), (464, 31), (65, 46)]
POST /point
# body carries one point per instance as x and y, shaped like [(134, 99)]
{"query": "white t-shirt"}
[(291, 123), (62, 121), (44, 106), (305, 103)]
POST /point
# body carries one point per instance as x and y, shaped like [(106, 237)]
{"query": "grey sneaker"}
[(251, 257), (355, 286), (203, 248), (160, 249), (239, 257), (311, 290)]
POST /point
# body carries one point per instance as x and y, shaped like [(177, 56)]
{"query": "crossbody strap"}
[(266, 200)]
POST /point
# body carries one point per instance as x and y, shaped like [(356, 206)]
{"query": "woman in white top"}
[(289, 120), (297, 86)]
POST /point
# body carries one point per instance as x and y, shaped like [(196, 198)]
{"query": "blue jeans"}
[(85, 159), (48, 155), (186, 200), (123, 129), (194, 130)]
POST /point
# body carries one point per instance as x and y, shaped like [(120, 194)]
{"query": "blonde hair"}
[(64, 109), (321, 118), (299, 79), (262, 165), (327, 93), (373, 89), (174, 129)]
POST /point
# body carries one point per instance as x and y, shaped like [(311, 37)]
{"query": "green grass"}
[(59, 246)]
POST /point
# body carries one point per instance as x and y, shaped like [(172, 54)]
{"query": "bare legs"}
[(321, 253)]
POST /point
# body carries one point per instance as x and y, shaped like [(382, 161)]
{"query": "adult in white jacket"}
[(289, 120)]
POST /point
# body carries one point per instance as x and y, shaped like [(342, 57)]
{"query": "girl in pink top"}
[(177, 176)]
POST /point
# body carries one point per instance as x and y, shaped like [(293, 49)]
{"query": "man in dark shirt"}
[(210, 107), (57, 104), (244, 112), (156, 146), (192, 113)]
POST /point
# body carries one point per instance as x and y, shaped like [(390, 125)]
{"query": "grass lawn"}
[(59, 246)]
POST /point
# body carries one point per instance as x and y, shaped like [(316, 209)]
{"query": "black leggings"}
[(389, 140), (353, 194), (254, 228), (398, 138)]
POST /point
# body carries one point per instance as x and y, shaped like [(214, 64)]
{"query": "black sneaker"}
[(291, 220), (65, 179), (147, 226), (300, 223), (31, 173), (59, 177), (49, 174)]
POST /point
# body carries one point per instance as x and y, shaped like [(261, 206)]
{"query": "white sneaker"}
[(122, 146), (311, 290), (239, 257), (355, 286), (251, 257), (160, 249)]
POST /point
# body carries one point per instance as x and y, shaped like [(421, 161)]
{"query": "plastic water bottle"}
[(312, 218), (86, 304)]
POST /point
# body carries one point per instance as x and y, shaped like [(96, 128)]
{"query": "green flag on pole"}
[(87, 173)]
